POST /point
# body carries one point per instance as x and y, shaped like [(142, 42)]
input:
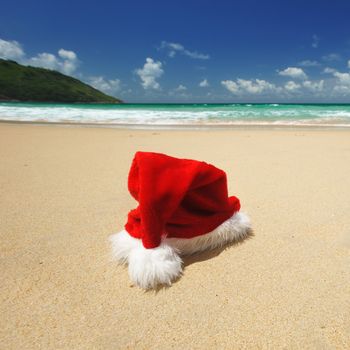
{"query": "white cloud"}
[(291, 86), (174, 48), (151, 71), (293, 72), (309, 63), (179, 91), (329, 70), (196, 55), (68, 67), (66, 54), (69, 63), (342, 89), (331, 57), (204, 83), (342, 78), (349, 64), (10, 50), (108, 86), (256, 86), (230, 85), (181, 88), (314, 86), (66, 62), (44, 60), (315, 41), (342, 85)]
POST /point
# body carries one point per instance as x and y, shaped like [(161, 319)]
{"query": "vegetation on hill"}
[(26, 83)]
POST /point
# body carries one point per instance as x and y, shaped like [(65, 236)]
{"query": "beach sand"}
[(63, 192)]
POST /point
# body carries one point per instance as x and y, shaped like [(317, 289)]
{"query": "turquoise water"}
[(180, 114)]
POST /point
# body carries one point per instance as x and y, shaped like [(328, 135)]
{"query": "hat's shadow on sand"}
[(209, 254), (205, 255)]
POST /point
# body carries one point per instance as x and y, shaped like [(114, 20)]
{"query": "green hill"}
[(26, 83)]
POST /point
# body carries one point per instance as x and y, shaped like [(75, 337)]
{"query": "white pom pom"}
[(149, 268), (122, 245)]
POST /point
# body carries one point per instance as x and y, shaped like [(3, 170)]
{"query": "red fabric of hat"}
[(180, 198)]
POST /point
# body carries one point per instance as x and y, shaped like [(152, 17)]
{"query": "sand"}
[(63, 192)]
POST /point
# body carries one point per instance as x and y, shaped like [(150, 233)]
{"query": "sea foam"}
[(162, 114)]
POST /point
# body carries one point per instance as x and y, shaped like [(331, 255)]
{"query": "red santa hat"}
[(183, 208)]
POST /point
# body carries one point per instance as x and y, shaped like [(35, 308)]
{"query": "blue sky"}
[(188, 51)]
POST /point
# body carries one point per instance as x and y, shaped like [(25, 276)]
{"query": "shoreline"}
[(183, 127)]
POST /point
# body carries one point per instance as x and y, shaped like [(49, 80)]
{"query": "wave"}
[(230, 114)]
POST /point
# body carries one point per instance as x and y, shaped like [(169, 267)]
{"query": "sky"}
[(188, 51)]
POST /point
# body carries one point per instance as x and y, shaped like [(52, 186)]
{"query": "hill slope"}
[(26, 83)]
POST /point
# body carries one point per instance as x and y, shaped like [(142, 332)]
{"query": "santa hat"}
[(183, 208)]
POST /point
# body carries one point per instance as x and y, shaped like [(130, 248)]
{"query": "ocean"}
[(230, 114)]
